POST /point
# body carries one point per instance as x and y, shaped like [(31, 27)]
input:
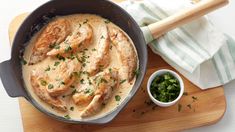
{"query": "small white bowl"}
[(158, 73)]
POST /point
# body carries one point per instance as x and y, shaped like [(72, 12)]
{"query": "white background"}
[(10, 118)]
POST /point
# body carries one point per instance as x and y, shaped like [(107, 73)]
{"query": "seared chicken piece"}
[(84, 95), (65, 77), (101, 57), (105, 83), (79, 40), (126, 52), (39, 83), (55, 32), (82, 98)]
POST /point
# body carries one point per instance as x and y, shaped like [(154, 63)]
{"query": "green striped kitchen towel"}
[(197, 50)]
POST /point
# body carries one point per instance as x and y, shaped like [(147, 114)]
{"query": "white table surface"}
[(10, 118)]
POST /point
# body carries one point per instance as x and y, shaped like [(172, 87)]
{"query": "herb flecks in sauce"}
[(106, 21), (48, 68), (43, 82), (67, 49), (57, 47), (137, 72), (122, 81), (117, 97), (50, 86), (67, 117), (72, 108), (23, 61), (56, 63), (85, 21), (59, 57)]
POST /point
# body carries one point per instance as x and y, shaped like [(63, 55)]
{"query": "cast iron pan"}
[(11, 73)]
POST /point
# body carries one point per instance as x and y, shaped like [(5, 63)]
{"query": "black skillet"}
[(11, 73)]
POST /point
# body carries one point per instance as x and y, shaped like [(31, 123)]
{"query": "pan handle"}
[(202, 8), (11, 85)]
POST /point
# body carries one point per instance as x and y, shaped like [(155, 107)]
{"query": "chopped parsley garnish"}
[(102, 37), (85, 21), (74, 91), (137, 72), (52, 45), (56, 63), (67, 117), (43, 82), (122, 81), (59, 57), (23, 61), (110, 70), (94, 49), (85, 73), (82, 81), (77, 74), (50, 86), (88, 91), (67, 49), (84, 64), (72, 108), (89, 81), (106, 21), (103, 80), (117, 98), (72, 56), (48, 68), (111, 47), (165, 88), (66, 42), (100, 80), (57, 47), (63, 83)]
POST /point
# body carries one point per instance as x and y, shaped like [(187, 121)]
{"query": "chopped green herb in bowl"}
[(165, 87)]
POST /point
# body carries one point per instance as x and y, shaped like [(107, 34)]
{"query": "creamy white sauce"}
[(123, 90)]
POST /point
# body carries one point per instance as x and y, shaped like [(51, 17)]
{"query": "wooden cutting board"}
[(139, 115)]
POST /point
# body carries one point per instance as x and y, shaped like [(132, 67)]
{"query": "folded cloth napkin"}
[(197, 50)]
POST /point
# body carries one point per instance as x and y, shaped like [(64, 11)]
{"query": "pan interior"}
[(105, 9)]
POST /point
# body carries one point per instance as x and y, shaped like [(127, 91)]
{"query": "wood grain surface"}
[(139, 115)]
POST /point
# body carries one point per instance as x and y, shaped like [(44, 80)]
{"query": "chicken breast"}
[(65, 77), (80, 39), (54, 33), (84, 95), (101, 58), (39, 83), (104, 83), (126, 52)]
